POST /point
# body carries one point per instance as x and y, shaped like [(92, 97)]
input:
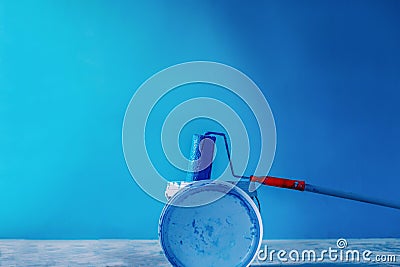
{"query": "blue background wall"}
[(329, 69)]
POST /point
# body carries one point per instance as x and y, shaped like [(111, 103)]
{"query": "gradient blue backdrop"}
[(329, 69)]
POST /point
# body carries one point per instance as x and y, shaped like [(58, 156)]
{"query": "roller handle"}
[(279, 182), (302, 186)]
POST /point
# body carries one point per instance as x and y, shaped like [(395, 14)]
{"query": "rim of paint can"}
[(203, 186)]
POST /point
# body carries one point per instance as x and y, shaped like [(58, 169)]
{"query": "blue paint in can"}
[(201, 157), (226, 232)]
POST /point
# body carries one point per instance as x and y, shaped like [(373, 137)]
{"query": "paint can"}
[(225, 232)]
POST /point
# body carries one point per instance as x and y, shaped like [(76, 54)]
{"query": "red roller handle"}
[(279, 182)]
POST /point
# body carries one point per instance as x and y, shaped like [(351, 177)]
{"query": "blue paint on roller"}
[(201, 157)]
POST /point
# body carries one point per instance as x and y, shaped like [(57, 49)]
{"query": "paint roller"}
[(201, 157)]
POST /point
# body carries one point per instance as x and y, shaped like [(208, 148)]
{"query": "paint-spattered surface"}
[(133, 253), (225, 232)]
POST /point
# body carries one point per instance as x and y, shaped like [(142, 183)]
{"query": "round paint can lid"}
[(225, 232)]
